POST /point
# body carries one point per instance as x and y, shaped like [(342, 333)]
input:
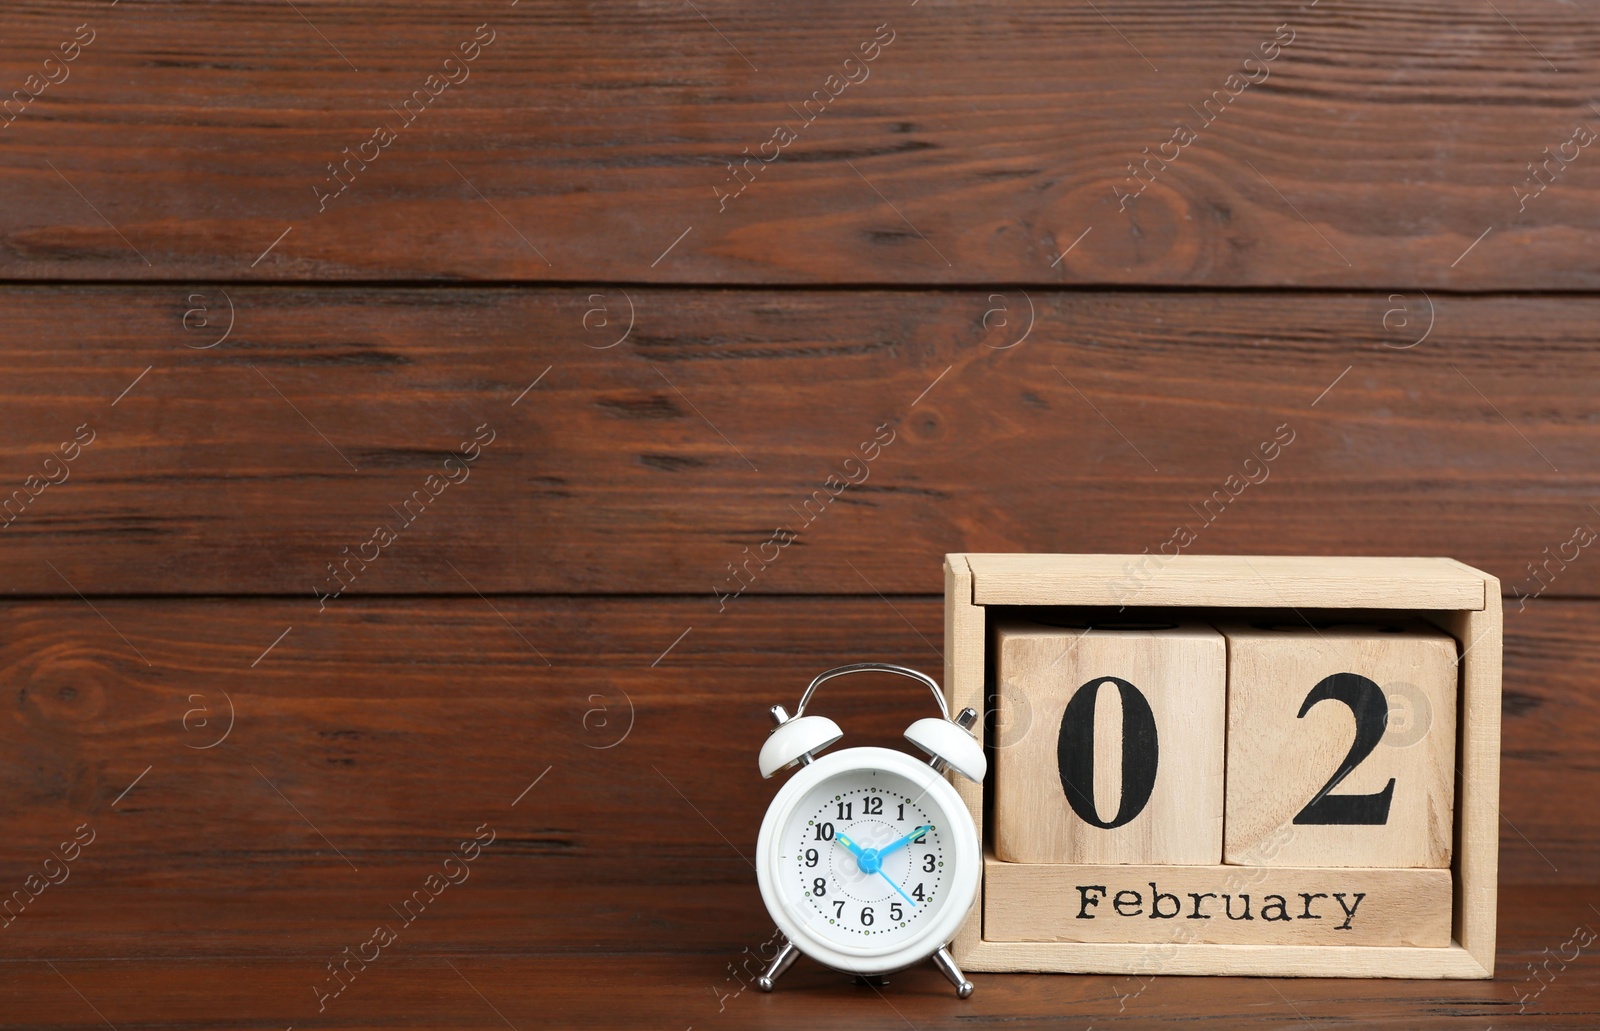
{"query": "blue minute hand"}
[(896, 887), (903, 842)]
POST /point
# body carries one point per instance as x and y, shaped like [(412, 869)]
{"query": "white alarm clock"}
[(868, 860)]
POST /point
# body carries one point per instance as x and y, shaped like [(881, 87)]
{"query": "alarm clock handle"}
[(874, 667)]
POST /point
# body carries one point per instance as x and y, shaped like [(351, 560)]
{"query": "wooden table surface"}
[(661, 268)]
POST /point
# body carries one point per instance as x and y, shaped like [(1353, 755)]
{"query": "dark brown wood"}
[(390, 730), (273, 753), (1381, 143), (654, 465), (425, 982)]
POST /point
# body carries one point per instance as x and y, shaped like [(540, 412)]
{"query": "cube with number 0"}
[(1110, 741)]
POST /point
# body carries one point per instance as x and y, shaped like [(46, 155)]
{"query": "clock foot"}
[(871, 980), (781, 962), (947, 966)]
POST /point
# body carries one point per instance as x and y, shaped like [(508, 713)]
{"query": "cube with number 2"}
[(1341, 743)]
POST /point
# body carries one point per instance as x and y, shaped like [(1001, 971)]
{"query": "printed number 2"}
[(1371, 710)]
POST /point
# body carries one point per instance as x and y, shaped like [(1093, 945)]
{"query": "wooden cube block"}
[(1319, 774), (1111, 745)]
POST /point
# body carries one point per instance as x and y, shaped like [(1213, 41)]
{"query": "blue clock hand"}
[(896, 887), (903, 842), (847, 843)]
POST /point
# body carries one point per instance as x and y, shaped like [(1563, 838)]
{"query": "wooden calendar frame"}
[(1463, 601)]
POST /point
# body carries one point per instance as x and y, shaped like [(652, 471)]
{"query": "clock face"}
[(864, 858), (868, 859)]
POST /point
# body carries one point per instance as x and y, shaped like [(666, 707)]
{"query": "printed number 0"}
[(1075, 752), (1371, 710)]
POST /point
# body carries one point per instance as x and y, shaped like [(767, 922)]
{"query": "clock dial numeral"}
[(870, 862)]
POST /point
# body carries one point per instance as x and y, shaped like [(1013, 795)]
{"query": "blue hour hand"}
[(852, 846)]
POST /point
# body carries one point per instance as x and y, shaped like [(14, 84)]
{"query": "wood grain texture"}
[(491, 987), (1175, 579), (981, 144), (966, 673), (621, 471), (398, 726), (388, 733), (194, 454), (1479, 768)]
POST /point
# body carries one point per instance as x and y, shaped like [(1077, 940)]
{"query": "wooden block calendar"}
[(1231, 765)]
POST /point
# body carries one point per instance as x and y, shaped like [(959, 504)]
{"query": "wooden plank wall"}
[(1041, 277)]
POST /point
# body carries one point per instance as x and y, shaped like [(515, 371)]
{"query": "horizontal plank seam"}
[(485, 950), (953, 286), (594, 595), (403, 596)]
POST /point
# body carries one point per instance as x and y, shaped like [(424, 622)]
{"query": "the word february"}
[(1175, 906), (1163, 905)]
